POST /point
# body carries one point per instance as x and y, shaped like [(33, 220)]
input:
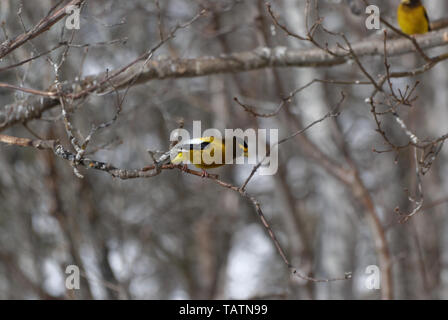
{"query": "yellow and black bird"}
[(412, 17), (203, 151)]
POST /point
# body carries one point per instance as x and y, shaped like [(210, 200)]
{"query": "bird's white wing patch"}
[(193, 144), (191, 141)]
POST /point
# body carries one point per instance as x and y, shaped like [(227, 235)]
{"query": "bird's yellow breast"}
[(217, 149), (412, 20)]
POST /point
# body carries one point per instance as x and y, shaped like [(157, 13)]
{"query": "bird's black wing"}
[(200, 146), (427, 19)]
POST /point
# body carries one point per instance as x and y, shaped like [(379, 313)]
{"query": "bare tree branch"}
[(259, 58)]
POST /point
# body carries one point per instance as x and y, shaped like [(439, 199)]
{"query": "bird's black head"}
[(411, 3)]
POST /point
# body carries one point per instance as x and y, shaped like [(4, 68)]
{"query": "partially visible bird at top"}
[(412, 17)]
